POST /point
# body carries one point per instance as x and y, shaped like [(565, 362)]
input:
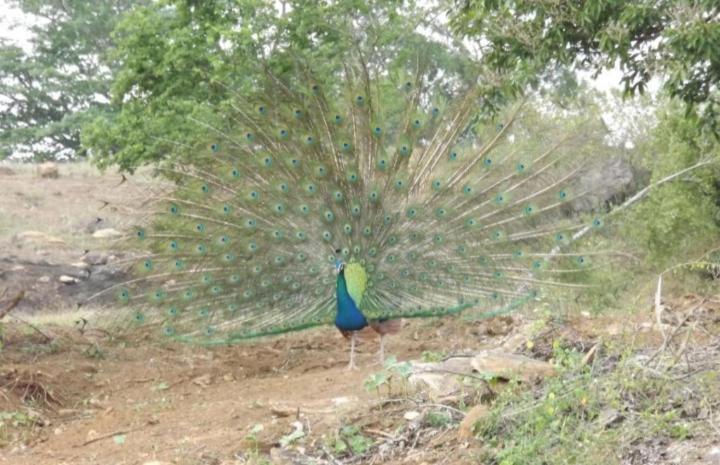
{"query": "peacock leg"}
[(351, 365), (381, 352)]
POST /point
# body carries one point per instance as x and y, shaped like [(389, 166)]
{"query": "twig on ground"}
[(108, 436), (13, 303), (35, 328)]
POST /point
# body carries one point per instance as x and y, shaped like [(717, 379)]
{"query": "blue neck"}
[(348, 317)]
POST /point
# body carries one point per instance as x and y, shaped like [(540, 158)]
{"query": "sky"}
[(14, 25)]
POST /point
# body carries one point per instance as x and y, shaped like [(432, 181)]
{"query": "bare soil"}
[(93, 400)]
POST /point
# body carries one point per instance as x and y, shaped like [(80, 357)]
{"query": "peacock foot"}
[(351, 367)]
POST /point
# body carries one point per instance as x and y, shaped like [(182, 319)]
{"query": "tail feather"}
[(443, 213)]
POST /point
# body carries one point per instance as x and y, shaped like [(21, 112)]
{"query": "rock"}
[(95, 258), (96, 224), (440, 379), (284, 411), (44, 279), (411, 415), (609, 417), (337, 401), (38, 237), (81, 265), (106, 233), (203, 381), (712, 456), (467, 426), (65, 279), (606, 182), (6, 171), (48, 170), (279, 456), (68, 412), (507, 366)]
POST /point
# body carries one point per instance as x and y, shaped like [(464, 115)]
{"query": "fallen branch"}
[(35, 328), (109, 435)]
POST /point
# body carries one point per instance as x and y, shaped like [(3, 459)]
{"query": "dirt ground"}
[(72, 396), (190, 405)]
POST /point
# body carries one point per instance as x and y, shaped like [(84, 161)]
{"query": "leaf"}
[(161, 387), (374, 381), (119, 439), (292, 437)]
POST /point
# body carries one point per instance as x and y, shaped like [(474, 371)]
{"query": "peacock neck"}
[(348, 317)]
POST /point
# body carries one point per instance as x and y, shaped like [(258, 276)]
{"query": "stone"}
[(283, 411), (712, 456), (48, 170), (95, 258), (38, 237), (440, 379), (68, 412), (608, 181), (65, 279), (507, 366), (411, 415), (467, 425), (95, 224), (106, 233), (203, 380)]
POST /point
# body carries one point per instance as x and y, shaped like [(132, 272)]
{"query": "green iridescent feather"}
[(434, 212)]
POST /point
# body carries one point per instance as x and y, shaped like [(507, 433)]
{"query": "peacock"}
[(358, 200)]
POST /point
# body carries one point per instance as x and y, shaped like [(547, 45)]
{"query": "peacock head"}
[(339, 265)]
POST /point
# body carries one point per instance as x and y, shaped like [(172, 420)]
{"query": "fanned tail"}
[(443, 213)]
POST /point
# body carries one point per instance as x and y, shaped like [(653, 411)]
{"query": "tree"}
[(50, 91), (182, 61), (676, 40)]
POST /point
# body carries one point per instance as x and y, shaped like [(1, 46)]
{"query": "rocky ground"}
[(73, 395)]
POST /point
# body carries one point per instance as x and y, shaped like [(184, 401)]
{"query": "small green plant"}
[(351, 440), (252, 437), (16, 425), (430, 356), (438, 419), (393, 374), (293, 437)]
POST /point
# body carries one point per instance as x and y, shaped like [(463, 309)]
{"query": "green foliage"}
[(179, 55), (16, 425), (587, 414), (351, 440), (393, 375), (432, 356), (673, 39), (438, 419), (49, 92), (681, 219), (291, 438)]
